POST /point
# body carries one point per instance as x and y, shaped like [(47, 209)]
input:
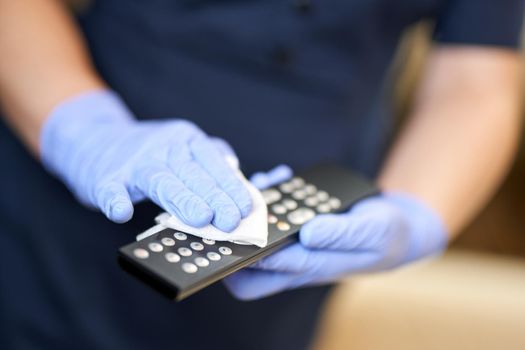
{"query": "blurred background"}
[(471, 298)]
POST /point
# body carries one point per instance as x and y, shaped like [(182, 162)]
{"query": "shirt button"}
[(282, 56), (303, 6)]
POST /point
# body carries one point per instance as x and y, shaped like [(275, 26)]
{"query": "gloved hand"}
[(378, 233), (109, 160)]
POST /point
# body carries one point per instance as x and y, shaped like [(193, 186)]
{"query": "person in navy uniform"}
[(108, 115)]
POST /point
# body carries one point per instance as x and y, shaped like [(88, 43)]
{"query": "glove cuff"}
[(428, 232), (68, 122)]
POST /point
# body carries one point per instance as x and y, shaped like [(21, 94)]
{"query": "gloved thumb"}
[(344, 232)]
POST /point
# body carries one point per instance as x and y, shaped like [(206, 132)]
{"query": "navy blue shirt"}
[(295, 82)]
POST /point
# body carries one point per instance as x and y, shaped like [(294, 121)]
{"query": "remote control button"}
[(324, 208), (311, 201), (196, 246), (297, 182), (279, 209), (287, 187), (301, 215), (283, 226), (208, 241), (213, 256), (335, 203), (185, 251), (168, 242), (202, 262), (271, 196), (322, 196), (272, 219), (299, 195), (310, 189), (180, 236), (155, 247), (225, 250), (172, 257), (189, 268), (141, 253), (290, 204)]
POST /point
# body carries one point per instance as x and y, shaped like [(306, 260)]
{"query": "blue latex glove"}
[(109, 160), (378, 233)]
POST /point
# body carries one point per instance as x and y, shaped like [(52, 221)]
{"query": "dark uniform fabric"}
[(293, 82)]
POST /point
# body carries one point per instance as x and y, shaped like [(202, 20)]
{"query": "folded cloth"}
[(253, 229)]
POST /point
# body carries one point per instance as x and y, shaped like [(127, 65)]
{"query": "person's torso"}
[(284, 81), (293, 82)]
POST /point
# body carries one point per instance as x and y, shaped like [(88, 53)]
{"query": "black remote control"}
[(178, 264)]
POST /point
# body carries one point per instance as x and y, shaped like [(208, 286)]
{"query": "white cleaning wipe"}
[(252, 230)]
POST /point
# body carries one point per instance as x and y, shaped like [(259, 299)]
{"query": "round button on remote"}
[(189, 268), (272, 219), (299, 195), (323, 208), (300, 216), (213, 256), (185, 251), (202, 262), (225, 250), (322, 196), (271, 196), (208, 241), (155, 247), (335, 203), (168, 242), (297, 182), (180, 236), (310, 189), (311, 201), (290, 204), (172, 257), (141, 253), (283, 226), (287, 187), (279, 209), (196, 246)]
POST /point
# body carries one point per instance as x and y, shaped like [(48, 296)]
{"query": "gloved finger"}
[(226, 150), (326, 264), (250, 284), (158, 183), (226, 214), (360, 231), (113, 200), (207, 155), (291, 259), (263, 180)]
